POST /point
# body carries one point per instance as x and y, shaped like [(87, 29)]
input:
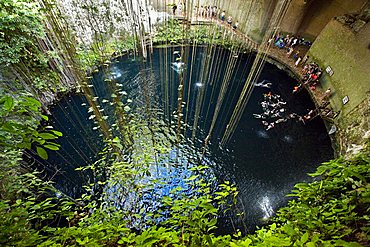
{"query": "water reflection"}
[(266, 207)]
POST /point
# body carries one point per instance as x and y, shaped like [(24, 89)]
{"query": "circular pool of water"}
[(264, 164)]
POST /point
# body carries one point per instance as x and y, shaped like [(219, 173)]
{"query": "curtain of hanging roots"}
[(257, 67), (207, 72)]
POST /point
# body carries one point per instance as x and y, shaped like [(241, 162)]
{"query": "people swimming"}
[(259, 116), (178, 66), (274, 111), (264, 83), (270, 126), (281, 120)]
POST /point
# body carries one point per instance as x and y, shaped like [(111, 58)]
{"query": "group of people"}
[(213, 12), (274, 111), (322, 109), (208, 12), (290, 43), (311, 73), (229, 20)]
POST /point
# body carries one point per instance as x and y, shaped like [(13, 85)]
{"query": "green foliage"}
[(19, 120), (331, 211), (25, 202), (97, 53), (20, 24), (171, 32), (21, 31), (333, 208), (174, 33)]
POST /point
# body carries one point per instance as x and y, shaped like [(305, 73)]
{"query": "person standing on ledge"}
[(304, 60), (223, 16), (236, 24), (180, 8), (174, 7), (298, 61), (229, 20)]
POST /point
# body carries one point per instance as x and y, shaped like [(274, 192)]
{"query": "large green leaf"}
[(8, 104), (57, 133), (42, 153), (47, 136), (51, 147)]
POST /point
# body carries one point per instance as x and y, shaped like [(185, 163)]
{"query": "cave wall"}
[(321, 12), (303, 17), (309, 17), (252, 15), (347, 52)]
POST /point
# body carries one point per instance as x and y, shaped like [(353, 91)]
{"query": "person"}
[(174, 7), (292, 115), (295, 56), (289, 42), (305, 69), (309, 115), (296, 88), (280, 120), (258, 116), (266, 84), (327, 93), (207, 11), (295, 42), (236, 24), (214, 11), (223, 16), (286, 39), (229, 20), (201, 14), (298, 61), (304, 60), (277, 37), (270, 126), (314, 77), (180, 8), (290, 51)]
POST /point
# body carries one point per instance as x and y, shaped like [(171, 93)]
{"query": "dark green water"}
[(263, 164)]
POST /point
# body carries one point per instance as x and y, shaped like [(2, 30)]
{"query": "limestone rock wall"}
[(98, 20), (309, 17), (321, 12), (347, 53), (253, 15)]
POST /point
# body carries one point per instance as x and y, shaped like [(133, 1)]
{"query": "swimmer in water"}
[(178, 66), (270, 126), (264, 83), (280, 120), (259, 116)]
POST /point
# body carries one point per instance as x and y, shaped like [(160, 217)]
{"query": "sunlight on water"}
[(266, 207)]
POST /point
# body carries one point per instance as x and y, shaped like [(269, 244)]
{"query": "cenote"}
[(263, 164)]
